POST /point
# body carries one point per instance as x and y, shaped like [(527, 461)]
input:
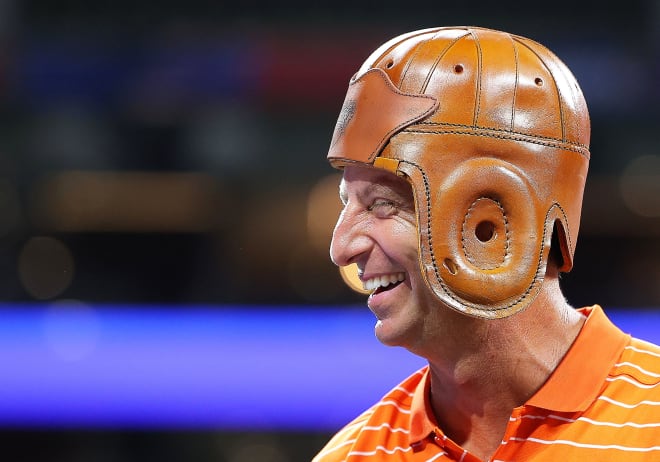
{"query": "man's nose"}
[(348, 239)]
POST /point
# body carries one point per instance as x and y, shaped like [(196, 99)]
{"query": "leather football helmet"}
[(492, 132)]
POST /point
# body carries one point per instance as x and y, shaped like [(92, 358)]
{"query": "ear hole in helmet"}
[(538, 81), (484, 237), (389, 64), (458, 68), (485, 231)]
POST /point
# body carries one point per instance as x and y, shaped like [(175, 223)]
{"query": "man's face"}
[(377, 231)]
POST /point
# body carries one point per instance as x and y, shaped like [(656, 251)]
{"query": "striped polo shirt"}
[(602, 403)]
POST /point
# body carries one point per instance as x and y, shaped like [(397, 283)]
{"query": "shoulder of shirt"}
[(345, 439), (642, 352), (341, 443), (639, 365)]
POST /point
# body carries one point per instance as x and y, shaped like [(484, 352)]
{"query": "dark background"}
[(174, 153)]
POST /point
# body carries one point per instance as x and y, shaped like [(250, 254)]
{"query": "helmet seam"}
[(477, 109), (560, 97), (418, 48), (504, 134), (516, 84), (437, 61)]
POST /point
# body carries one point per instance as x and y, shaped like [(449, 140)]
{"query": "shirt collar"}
[(422, 420), (580, 371), (584, 367)]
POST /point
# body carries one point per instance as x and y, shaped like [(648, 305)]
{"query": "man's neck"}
[(475, 389)]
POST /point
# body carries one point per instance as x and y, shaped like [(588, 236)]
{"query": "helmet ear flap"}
[(560, 249), (481, 251)]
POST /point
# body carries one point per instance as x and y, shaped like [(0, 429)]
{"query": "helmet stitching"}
[(501, 134), (506, 231), (467, 307)]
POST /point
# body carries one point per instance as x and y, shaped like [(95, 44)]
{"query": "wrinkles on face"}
[(372, 199)]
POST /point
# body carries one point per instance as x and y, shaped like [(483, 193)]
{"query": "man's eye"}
[(382, 205)]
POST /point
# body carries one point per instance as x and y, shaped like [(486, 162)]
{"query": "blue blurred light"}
[(219, 367), (197, 367)]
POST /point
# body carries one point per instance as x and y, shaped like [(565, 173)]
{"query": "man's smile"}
[(383, 281)]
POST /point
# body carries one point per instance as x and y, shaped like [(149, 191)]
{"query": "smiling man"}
[(464, 154)]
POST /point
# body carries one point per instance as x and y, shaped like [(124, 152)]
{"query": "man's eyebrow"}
[(385, 186), (379, 188), (382, 185)]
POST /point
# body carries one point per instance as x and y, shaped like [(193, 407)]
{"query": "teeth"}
[(383, 281)]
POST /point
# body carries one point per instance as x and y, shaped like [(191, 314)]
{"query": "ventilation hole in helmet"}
[(538, 81), (389, 64), (485, 231), (451, 266), (458, 68)]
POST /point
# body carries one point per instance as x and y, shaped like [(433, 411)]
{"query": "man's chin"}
[(388, 335)]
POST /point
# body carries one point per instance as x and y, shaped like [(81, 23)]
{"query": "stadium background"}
[(159, 157)]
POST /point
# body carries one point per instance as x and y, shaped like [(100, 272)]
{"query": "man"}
[(464, 154)]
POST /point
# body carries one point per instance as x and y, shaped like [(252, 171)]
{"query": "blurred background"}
[(169, 155)]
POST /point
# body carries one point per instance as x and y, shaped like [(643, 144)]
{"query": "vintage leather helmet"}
[(492, 132)]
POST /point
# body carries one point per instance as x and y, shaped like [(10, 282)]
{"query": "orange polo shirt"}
[(601, 403)]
